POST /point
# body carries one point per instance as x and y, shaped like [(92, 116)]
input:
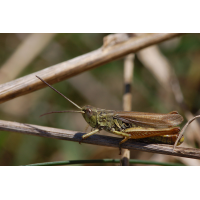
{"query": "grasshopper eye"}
[(89, 111)]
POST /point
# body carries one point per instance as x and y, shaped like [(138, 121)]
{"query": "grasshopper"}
[(154, 128)]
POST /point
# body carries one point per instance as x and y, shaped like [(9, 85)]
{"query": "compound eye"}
[(89, 111)]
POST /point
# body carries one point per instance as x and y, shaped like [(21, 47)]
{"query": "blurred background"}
[(166, 77)]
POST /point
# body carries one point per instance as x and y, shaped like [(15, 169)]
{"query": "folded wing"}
[(153, 120)]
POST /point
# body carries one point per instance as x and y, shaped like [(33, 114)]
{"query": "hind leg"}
[(126, 137)]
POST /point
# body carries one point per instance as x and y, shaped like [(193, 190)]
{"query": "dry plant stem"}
[(61, 71), (32, 46), (96, 139), (183, 130), (127, 99)]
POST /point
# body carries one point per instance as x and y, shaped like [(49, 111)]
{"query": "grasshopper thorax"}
[(90, 115)]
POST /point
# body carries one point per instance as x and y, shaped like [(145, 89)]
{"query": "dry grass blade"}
[(183, 130)]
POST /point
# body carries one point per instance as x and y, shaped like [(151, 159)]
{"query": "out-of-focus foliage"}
[(18, 149)]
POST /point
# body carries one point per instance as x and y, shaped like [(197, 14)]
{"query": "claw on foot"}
[(80, 141)]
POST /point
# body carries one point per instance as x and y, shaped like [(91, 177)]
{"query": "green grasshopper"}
[(155, 128)]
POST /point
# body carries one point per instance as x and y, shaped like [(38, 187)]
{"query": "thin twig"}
[(127, 98), (97, 139), (62, 71)]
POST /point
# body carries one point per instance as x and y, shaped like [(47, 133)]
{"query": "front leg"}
[(89, 134)]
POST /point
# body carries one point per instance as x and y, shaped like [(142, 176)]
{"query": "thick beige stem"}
[(127, 98), (62, 71)]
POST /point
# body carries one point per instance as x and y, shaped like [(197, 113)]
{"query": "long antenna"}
[(64, 111), (58, 92)]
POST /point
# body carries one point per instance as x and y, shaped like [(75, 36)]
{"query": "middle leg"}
[(88, 135)]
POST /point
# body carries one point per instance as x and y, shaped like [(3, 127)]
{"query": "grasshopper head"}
[(90, 115)]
